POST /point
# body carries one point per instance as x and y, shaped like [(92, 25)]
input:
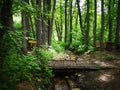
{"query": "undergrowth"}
[(16, 67)]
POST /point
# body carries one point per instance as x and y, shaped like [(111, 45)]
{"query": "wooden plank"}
[(67, 65)]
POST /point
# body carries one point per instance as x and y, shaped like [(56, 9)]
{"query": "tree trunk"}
[(24, 33), (49, 22), (26, 28), (32, 27), (110, 22), (44, 23), (102, 25), (5, 25), (88, 24), (51, 19), (65, 39), (38, 23), (80, 16), (5, 17), (61, 22), (58, 30), (70, 22), (117, 35), (11, 22), (76, 20), (95, 23)]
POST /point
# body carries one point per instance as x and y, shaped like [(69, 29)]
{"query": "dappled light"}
[(105, 78)]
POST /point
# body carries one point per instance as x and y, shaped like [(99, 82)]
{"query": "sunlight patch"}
[(105, 78)]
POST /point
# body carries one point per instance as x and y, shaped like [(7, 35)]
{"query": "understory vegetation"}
[(17, 67)]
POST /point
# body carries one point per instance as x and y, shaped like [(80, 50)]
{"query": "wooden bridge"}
[(64, 65)]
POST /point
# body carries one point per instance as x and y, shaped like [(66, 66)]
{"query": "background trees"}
[(44, 20), (51, 19)]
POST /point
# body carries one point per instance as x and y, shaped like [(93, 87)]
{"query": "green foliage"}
[(58, 46), (8, 58), (81, 48), (44, 73), (91, 48), (1, 26), (16, 67)]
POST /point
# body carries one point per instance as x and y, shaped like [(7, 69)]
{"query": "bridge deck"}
[(68, 64)]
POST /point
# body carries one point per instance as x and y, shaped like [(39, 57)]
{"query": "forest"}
[(32, 32)]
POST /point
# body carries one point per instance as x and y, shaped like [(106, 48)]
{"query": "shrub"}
[(45, 72), (58, 46), (16, 67)]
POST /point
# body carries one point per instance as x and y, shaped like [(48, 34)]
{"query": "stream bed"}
[(86, 80)]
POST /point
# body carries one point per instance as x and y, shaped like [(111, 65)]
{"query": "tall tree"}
[(25, 27), (88, 24), (39, 23), (5, 16), (95, 23), (44, 23), (24, 33), (71, 1), (50, 21), (61, 20), (58, 30), (65, 39), (110, 22), (117, 35), (102, 25), (80, 17), (5, 25)]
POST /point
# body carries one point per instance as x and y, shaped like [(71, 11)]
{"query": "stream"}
[(86, 80)]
